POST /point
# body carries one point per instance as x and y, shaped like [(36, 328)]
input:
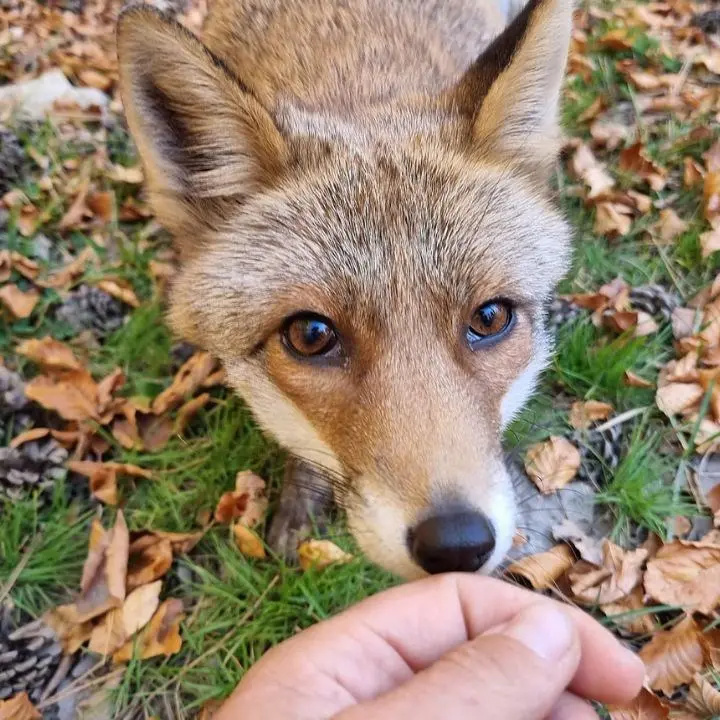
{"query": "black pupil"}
[(316, 334), (488, 315)]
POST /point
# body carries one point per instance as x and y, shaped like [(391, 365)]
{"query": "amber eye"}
[(309, 336), (489, 322)]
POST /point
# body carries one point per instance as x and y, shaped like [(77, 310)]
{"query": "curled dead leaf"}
[(103, 477), (586, 167), (248, 542), (544, 569), (704, 698), (29, 436), (120, 289), (683, 322), (150, 557), (130, 175), (160, 637), (634, 380), (635, 160), (669, 226), (18, 302), (49, 354), (612, 219), (630, 613), (247, 503), (319, 554), (188, 379), (675, 397), (189, 410), (72, 395), (673, 657), (685, 574), (584, 414), (646, 706), (552, 464), (19, 707)]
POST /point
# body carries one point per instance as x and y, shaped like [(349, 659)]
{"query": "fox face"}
[(371, 270)]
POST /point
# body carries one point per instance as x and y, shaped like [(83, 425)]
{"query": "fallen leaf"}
[(617, 39), (693, 172), (711, 195), (73, 395), (593, 110), (685, 574), (29, 436), (103, 477), (584, 414), (49, 354), (247, 503), (248, 542), (612, 219), (181, 542), (630, 613), (101, 205), (19, 303), (609, 134), (319, 554), (189, 410), (710, 241), (155, 431), (586, 167), (635, 160), (683, 322), (150, 557), (160, 637), (703, 698), (633, 380), (543, 569), (188, 379), (675, 397), (646, 706), (71, 634), (552, 464), (119, 289), (669, 225), (19, 707), (78, 209), (93, 78), (69, 273), (673, 657), (130, 175), (589, 548)]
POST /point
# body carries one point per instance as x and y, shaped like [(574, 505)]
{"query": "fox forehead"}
[(361, 238)]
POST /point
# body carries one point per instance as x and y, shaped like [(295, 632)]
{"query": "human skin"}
[(449, 646)]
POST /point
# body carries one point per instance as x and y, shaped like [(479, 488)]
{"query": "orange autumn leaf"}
[(630, 613), (77, 211), (693, 172), (612, 219), (101, 205), (710, 240), (586, 167), (160, 637), (130, 175), (247, 503), (542, 570), (675, 397), (319, 554), (19, 707), (187, 380), (584, 414), (103, 477), (673, 657), (49, 354), (93, 78), (150, 558), (119, 289), (711, 195), (248, 542), (703, 698), (552, 464), (635, 160), (634, 380), (19, 303), (646, 706), (29, 436), (685, 574), (641, 323), (669, 226), (188, 411), (67, 274), (72, 395)]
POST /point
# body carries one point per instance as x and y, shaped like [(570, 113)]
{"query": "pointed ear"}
[(512, 91), (201, 134)]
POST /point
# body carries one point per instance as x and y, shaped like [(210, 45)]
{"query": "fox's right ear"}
[(201, 134)]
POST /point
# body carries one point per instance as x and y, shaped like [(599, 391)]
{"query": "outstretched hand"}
[(451, 646)]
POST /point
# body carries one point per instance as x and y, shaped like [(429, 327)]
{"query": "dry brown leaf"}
[(28, 220), (612, 219), (188, 379), (248, 542), (101, 205), (130, 175), (19, 707), (646, 706), (693, 172), (49, 354), (69, 273), (160, 637), (620, 574), (78, 209), (669, 226), (687, 575), (103, 477), (584, 413), (19, 303), (71, 634), (188, 411), (593, 110), (628, 613), (319, 554), (28, 268), (641, 323), (704, 698), (683, 322), (72, 395), (673, 657), (710, 240), (711, 195), (150, 558), (711, 638), (95, 79), (29, 436), (119, 289), (675, 397), (635, 160), (155, 431), (617, 39), (247, 503), (543, 569), (633, 380), (609, 134), (182, 542), (592, 172), (552, 464)]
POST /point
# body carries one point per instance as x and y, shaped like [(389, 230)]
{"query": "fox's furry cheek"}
[(524, 384)]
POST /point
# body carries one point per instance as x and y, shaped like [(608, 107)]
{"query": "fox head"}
[(373, 278)]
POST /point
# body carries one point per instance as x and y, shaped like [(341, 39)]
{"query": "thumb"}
[(517, 672)]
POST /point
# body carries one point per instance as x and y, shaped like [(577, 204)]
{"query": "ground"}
[(82, 261)]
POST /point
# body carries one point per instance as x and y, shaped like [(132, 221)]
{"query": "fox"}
[(360, 196)]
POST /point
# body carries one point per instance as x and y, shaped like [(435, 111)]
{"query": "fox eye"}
[(489, 322), (311, 336)]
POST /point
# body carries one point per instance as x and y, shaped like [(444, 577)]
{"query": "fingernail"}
[(544, 629)]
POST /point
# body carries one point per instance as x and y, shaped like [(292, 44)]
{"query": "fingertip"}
[(631, 676)]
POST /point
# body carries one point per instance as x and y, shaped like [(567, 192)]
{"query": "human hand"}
[(450, 646)]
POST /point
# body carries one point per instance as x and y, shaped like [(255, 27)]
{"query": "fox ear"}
[(513, 89), (201, 134)]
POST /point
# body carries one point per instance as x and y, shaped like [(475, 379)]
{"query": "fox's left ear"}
[(513, 89)]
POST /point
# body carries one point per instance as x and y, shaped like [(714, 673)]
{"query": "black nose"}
[(452, 542)]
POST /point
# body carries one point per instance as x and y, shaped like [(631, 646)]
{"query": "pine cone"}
[(30, 658), (708, 22), (35, 466), (89, 308), (600, 452), (654, 300), (13, 403), (12, 159), (561, 311)]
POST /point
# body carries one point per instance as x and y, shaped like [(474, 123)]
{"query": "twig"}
[(621, 418), (17, 570)]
